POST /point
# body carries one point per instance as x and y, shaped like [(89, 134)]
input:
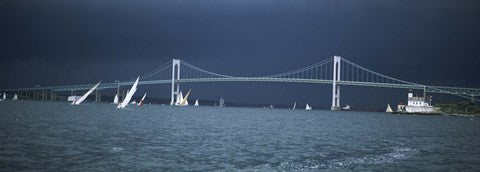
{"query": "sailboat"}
[(308, 107), (184, 101), (221, 103), (389, 109), (294, 105), (141, 100), (179, 98), (196, 103), (15, 97), (81, 99), (4, 96), (129, 95), (115, 100)]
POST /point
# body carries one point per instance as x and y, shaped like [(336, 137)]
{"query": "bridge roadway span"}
[(431, 89)]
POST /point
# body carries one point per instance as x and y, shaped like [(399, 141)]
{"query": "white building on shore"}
[(419, 105)]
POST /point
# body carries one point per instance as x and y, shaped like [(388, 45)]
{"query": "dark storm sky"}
[(73, 42)]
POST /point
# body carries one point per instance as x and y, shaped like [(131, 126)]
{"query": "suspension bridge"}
[(336, 71)]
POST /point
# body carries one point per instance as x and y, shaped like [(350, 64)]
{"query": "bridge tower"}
[(175, 76), (336, 88)]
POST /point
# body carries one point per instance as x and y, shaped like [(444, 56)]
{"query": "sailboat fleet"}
[(180, 99), (4, 97)]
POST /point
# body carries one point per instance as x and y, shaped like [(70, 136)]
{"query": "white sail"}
[(221, 103), (308, 107), (4, 96), (184, 101), (129, 95), (196, 103), (115, 100), (294, 105), (179, 98), (389, 109), (81, 99), (15, 97), (141, 100)]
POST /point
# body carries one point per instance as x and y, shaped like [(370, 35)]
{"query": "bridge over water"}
[(335, 71)]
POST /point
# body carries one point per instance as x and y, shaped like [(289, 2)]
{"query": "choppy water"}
[(56, 136)]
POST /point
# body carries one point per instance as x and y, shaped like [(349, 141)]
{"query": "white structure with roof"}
[(418, 105)]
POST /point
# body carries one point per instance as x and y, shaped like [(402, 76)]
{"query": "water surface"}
[(57, 136)]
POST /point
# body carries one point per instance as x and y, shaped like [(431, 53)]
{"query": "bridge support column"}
[(175, 76), (98, 96), (52, 95), (336, 88)]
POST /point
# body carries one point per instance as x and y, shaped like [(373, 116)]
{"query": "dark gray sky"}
[(73, 42)]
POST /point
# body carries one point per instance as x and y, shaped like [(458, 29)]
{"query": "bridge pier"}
[(335, 87), (98, 96), (175, 76), (52, 95)]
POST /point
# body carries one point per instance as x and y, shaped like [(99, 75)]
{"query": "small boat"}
[(196, 103), (141, 100), (271, 106), (81, 99), (4, 96), (133, 102), (129, 95), (389, 109), (294, 105), (115, 100), (221, 103), (308, 107), (15, 97), (347, 107)]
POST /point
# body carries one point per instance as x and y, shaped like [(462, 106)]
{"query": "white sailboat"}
[(308, 107), (179, 98), (115, 100), (184, 101), (221, 103), (129, 95), (196, 103), (15, 97), (4, 96), (389, 109), (294, 105), (141, 100), (81, 99)]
